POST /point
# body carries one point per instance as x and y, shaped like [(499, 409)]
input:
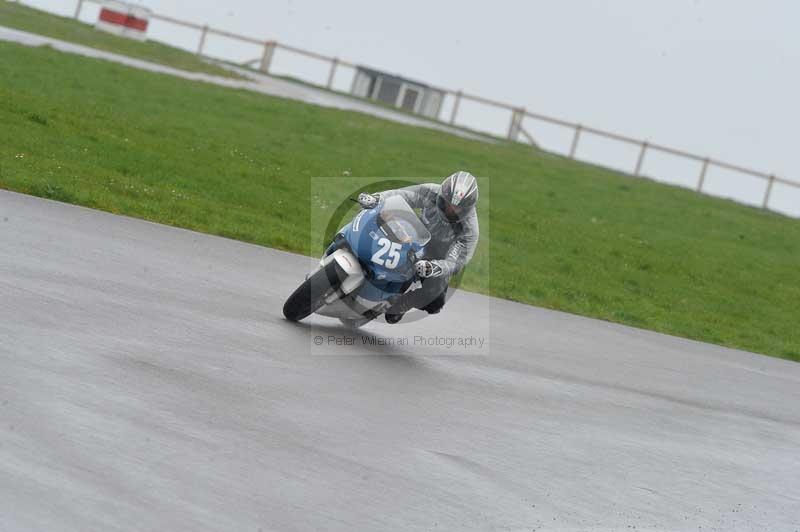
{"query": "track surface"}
[(259, 83), (149, 382)]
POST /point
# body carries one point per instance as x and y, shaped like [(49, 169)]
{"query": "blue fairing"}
[(369, 242)]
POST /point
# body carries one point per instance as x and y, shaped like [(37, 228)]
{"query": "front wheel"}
[(310, 296)]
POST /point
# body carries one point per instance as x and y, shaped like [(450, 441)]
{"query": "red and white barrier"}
[(123, 19)]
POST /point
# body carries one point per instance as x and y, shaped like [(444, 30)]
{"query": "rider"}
[(448, 211)]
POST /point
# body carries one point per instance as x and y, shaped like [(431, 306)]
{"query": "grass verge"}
[(25, 18), (564, 235)]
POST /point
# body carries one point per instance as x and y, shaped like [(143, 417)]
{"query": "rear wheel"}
[(310, 296), (355, 324)]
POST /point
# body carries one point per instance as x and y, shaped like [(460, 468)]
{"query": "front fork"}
[(348, 271)]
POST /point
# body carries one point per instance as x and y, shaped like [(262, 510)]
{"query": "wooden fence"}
[(518, 114)]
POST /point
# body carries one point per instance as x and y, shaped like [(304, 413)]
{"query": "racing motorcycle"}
[(369, 264)]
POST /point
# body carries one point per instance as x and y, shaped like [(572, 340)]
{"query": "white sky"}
[(715, 77)]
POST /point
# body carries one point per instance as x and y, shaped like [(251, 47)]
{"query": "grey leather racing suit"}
[(451, 247)]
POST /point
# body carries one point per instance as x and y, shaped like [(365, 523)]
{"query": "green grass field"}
[(25, 18), (563, 235)]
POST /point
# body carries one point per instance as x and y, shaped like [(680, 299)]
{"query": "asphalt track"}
[(149, 382), (260, 83)]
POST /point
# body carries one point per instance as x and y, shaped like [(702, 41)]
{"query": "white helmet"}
[(458, 196)]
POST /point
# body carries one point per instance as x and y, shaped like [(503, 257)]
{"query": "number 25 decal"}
[(392, 252)]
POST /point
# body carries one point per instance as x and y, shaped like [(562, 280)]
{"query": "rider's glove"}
[(426, 268), (367, 201)]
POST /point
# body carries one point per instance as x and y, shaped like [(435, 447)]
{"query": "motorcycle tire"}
[(310, 296)]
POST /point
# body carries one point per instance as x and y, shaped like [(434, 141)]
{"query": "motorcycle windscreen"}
[(401, 224)]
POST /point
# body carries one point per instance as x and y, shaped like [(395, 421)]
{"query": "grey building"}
[(406, 94)]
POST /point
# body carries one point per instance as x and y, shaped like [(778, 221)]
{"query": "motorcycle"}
[(369, 264)]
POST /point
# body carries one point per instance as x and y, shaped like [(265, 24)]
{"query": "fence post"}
[(702, 175), (640, 161), (512, 125), (334, 63), (78, 9), (516, 123), (575, 139), (455, 107), (768, 192), (202, 44), (266, 57)]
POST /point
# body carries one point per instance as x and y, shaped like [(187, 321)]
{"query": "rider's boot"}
[(399, 307), (391, 319)]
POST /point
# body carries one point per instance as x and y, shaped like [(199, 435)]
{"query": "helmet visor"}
[(453, 213)]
